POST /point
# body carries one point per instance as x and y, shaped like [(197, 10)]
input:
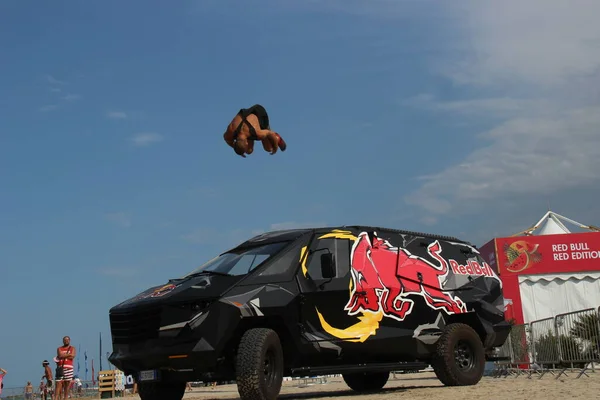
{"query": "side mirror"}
[(327, 266)]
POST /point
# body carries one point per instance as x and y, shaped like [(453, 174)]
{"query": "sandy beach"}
[(426, 385)]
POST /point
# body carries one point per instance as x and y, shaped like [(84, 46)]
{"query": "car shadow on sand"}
[(316, 394)]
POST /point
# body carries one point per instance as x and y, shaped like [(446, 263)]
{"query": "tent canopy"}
[(552, 225)]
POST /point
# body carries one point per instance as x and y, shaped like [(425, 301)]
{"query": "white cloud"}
[(116, 115), (536, 68), (71, 97), (119, 218), (540, 42), (53, 81), (146, 138), (486, 106), (48, 107), (527, 156)]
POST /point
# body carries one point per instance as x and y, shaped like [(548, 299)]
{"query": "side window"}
[(247, 263), (289, 260), (340, 248)]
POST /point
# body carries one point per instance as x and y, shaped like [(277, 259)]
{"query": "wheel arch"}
[(475, 322), (277, 324)]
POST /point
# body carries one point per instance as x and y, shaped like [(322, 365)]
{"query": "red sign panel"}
[(548, 253)]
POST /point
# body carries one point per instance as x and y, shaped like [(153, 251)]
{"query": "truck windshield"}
[(239, 262)]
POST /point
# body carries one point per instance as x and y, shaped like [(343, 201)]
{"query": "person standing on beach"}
[(2, 374), (28, 391), (48, 376), (65, 355)]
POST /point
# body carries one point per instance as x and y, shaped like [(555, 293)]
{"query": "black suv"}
[(354, 300)]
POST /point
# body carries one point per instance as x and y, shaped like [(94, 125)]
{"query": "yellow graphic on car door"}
[(368, 321)]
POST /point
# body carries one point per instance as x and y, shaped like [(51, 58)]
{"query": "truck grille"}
[(129, 327)]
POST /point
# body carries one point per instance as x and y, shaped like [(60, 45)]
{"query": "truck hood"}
[(181, 291)]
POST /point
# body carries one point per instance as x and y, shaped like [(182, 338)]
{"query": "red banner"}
[(548, 253)]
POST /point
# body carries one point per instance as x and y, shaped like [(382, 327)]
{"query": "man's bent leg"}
[(271, 141)]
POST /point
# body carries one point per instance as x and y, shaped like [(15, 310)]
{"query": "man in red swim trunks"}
[(65, 355), (251, 124)]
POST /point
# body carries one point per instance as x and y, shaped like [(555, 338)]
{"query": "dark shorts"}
[(261, 114)]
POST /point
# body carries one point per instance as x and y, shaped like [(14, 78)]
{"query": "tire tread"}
[(249, 361), (443, 359)]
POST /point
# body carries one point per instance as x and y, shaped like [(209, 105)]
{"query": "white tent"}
[(545, 295), (553, 226)]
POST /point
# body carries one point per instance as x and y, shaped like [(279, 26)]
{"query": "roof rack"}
[(411, 233)]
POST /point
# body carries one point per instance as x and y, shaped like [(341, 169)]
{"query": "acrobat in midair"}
[(251, 124)]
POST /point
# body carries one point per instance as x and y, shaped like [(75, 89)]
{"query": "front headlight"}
[(195, 312)]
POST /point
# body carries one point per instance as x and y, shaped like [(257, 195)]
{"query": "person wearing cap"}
[(48, 376)]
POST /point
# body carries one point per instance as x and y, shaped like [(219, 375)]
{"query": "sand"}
[(426, 385)]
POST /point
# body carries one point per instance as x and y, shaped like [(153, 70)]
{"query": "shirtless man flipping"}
[(251, 124)]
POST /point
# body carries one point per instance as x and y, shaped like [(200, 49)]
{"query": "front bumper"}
[(190, 345), (196, 355)]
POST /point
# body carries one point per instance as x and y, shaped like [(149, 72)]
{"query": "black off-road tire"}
[(259, 365), (366, 381), (161, 390), (460, 357)]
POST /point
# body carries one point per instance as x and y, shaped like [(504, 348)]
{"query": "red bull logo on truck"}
[(384, 276), (472, 268)]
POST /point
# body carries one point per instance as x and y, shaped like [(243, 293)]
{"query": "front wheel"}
[(259, 365), (367, 381), (161, 390), (460, 357)]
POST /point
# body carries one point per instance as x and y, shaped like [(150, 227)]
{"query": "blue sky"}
[(459, 118)]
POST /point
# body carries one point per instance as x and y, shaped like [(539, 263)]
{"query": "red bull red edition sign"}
[(544, 254), (512, 257)]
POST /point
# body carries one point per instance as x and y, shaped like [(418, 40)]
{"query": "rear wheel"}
[(259, 365), (366, 381), (460, 356), (161, 390)]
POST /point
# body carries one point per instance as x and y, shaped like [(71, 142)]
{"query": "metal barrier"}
[(86, 390), (520, 347), (577, 338), (311, 380), (566, 341), (543, 345), (502, 367)]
